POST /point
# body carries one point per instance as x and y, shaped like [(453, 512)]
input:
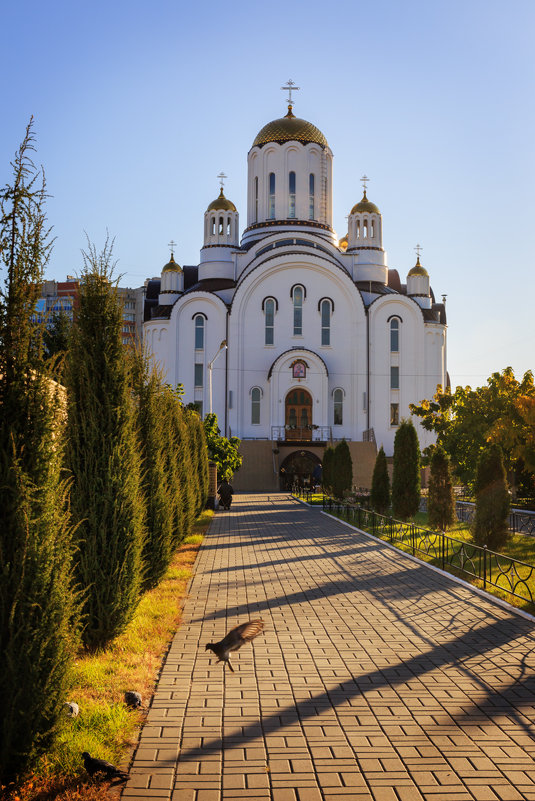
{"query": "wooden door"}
[(298, 418)]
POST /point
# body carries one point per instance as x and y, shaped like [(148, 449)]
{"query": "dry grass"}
[(105, 726)]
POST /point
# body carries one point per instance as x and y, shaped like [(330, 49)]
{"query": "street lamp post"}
[(222, 347)]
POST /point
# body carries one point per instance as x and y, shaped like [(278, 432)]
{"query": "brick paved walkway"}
[(376, 679)]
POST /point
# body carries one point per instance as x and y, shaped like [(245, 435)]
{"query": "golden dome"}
[(289, 129), (365, 205), (342, 244), (172, 266), (221, 203), (418, 269)]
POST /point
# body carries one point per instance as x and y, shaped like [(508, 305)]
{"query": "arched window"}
[(298, 311), (325, 311), (338, 396), (199, 332), (291, 194), (271, 198), (256, 199), (213, 225), (311, 181), (372, 229), (394, 335), (358, 229), (269, 321), (221, 225), (365, 229), (228, 226), (255, 405)]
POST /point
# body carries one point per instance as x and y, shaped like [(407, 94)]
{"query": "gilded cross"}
[(290, 87), (364, 180), (418, 250), (222, 177), (172, 245)]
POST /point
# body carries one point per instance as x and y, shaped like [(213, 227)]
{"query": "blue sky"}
[(138, 106)]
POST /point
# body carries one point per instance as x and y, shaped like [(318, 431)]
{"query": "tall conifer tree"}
[(342, 469), (38, 614), (440, 499), (406, 477), (103, 455), (380, 492)]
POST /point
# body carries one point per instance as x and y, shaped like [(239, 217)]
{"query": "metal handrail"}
[(478, 562)]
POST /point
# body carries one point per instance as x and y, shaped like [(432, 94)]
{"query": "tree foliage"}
[(222, 450), (406, 477), (440, 499), (103, 455), (342, 470), (466, 420), (490, 526), (38, 606), (327, 469), (380, 491)]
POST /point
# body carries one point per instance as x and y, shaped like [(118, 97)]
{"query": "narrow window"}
[(325, 322), (394, 377), (372, 229), (298, 311), (199, 332), (291, 196), (311, 196), (269, 321), (255, 406), (256, 199), (338, 407), (213, 225), (199, 371), (228, 226), (271, 199), (394, 335), (394, 414), (221, 225), (365, 229), (358, 229)]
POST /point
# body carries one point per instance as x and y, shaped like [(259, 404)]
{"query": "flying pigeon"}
[(94, 765), (72, 709), (133, 699), (235, 639)]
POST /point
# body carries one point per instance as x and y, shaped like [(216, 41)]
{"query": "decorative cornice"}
[(290, 222)]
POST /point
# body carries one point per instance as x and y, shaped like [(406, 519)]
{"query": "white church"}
[(296, 339)]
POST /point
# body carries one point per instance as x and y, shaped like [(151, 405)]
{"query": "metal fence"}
[(519, 522), (477, 563)]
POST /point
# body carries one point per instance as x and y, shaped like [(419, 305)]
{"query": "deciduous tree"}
[(492, 500)]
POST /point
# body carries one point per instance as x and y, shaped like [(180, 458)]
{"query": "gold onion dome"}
[(172, 266), (221, 203), (365, 205), (290, 129), (418, 269), (343, 243)]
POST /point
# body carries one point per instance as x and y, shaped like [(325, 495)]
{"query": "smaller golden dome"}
[(365, 206), (221, 203), (418, 269), (172, 266), (343, 242)]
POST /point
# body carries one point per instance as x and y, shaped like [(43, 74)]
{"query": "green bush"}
[(406, 477), (380, 492), (493, 500), (342, 470), (440, 499), (327, 470)]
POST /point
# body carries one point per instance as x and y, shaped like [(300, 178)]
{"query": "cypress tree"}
[(160, 515), (406, 477), (342, 469), (38, 607), (440, 500), (201, 461), (380, 492), (492, 500), (327, 471), (103, 455)]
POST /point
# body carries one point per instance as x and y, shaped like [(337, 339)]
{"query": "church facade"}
[(288, 334)]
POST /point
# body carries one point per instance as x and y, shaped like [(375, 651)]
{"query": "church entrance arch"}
[(299, 467), (298, 414)]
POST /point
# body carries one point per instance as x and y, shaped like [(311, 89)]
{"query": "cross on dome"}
[(418, 250), (364, 180), (172, 244), (290, 87), (222, 177)]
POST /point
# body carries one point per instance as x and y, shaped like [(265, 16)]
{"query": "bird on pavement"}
[(94, 765), (133, 699), (235, 639)]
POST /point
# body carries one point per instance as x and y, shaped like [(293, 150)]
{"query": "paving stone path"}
[(377, 679)]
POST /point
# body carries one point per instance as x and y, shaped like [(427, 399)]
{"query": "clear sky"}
[(139, 105)]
